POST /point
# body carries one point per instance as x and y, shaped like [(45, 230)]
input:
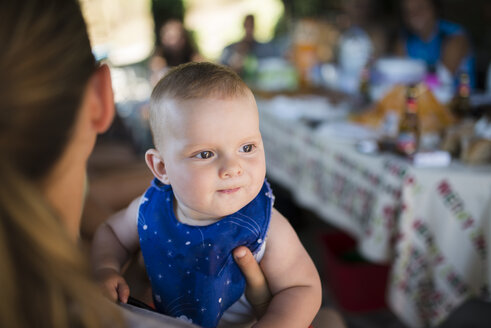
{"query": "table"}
[(433, 225), (443, 253)]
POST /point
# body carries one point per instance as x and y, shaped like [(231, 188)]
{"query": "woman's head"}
[(54, 100), (45, 64), (47, 76), (359, 12), (419, 15), (173, 34), (176, 44)]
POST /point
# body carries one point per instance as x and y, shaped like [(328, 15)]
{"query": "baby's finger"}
[(110, 291), (123, 291)]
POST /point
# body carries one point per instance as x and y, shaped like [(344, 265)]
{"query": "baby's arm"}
[(292, 278), (114, 242)]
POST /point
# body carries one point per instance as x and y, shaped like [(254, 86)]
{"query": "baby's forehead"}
[(198, 106), (171, 110)]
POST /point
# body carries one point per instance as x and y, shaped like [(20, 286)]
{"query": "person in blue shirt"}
[(436, 41)]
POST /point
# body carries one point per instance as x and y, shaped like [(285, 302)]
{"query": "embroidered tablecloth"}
[(433, 225)]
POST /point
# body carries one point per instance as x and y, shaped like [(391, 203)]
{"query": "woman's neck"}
[(64, 189), (428, 30)]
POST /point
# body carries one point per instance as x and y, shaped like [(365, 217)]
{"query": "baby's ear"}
[(156, 165)]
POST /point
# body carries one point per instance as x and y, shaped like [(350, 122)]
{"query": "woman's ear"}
[(156, 165), (102, 113)]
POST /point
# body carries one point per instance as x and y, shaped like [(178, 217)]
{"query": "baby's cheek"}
[(257, 166)]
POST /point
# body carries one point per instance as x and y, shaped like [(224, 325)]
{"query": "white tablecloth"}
[(443, 248), (432, 224)]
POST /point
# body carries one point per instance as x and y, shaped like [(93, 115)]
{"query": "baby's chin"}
[(229, 210)]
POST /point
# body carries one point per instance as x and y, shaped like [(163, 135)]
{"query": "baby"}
[(208, 197)]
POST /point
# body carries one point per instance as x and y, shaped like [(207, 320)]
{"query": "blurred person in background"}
[(440, 43), (235, 55), (362, 41), (364, 15), (175, 46), (54, 104), (242, 55)]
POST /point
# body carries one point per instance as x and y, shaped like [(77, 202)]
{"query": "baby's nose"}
[(231, 167)]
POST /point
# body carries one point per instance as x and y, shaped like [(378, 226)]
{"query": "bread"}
[(434, 117)]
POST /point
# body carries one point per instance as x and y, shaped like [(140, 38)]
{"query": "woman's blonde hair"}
[(45, 65)]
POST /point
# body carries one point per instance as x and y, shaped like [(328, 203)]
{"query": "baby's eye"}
[(204, 154), (247, 148)]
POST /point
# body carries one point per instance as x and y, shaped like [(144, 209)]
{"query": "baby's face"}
[(213, 155)]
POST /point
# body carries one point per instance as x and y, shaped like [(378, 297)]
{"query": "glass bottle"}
[(364, 86), (407, 141), (461, 105)]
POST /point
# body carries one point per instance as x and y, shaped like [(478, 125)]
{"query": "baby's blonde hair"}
[(193, 80)]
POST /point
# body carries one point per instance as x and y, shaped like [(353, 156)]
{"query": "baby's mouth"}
[(229, 191)]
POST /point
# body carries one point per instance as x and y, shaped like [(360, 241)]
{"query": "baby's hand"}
[(113, 285)]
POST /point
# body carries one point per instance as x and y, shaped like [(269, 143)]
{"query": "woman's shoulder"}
[(450, 28)]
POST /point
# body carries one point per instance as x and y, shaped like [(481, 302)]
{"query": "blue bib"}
[(191, 268)]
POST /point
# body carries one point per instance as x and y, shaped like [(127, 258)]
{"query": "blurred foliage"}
[(311, 8)]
